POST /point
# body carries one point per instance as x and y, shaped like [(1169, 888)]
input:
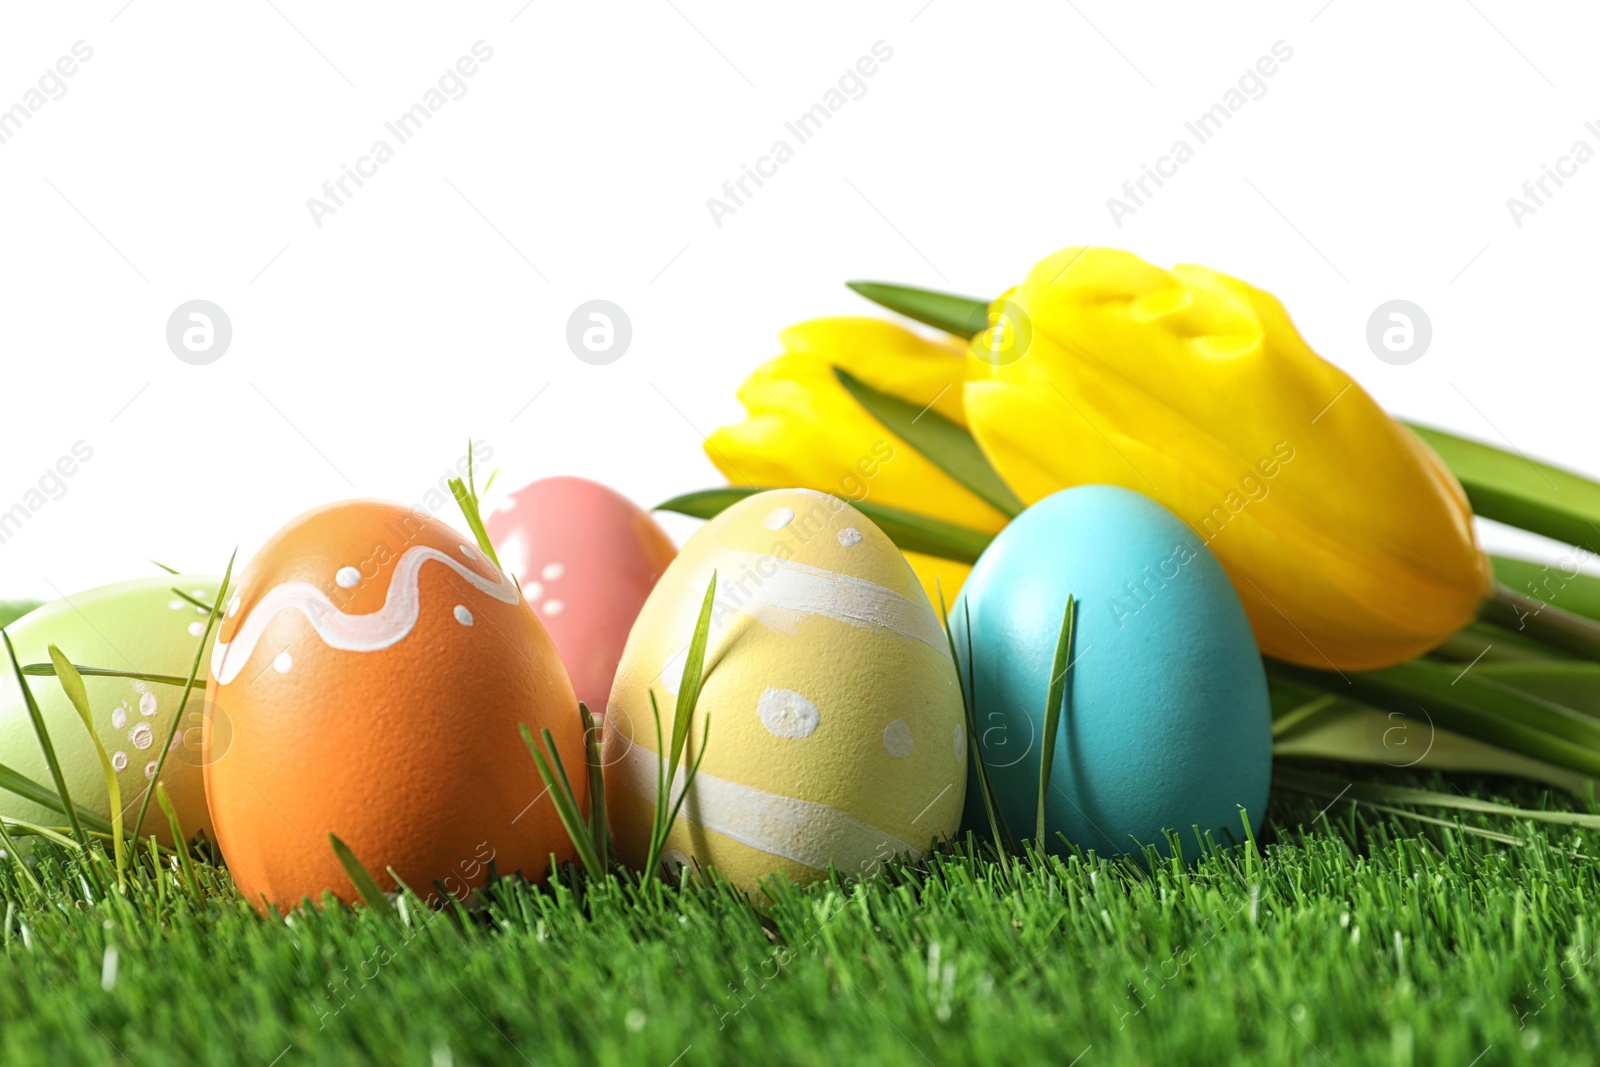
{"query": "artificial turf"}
[(1344, 937)]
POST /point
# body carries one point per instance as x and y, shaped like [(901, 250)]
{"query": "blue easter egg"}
[(1165, 724)]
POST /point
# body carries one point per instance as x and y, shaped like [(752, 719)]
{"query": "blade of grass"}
[(188, 688), (945, 444), (366, 886), (78, 697), (999, 831), (688, 697), (179, 842), (15, 782), (1387, 793), (599, 828), (48, 670), (566, 802), (163, 566), (466, 494), (909, 531), (1059, 688), (14, 856), (49, 749)]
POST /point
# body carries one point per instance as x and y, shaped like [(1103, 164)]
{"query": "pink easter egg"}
[(586, 557)]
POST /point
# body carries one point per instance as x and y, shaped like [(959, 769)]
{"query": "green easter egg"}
[(138, 626)]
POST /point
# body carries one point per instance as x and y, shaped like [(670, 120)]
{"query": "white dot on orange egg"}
[(142, 736), (787, 714), (553, 571), (779, 518), (553, 607), (282, 662), (196, 629), (347, 577), (233, 607), (897, 739), (961, 744), (147, 704), (849, 537), (463, 616), (119, 717), (119, 761)]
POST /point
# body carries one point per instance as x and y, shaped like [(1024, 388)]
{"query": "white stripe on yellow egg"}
[(829, 692)]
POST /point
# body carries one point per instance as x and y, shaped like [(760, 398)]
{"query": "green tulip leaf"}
[(909, 531), (1554, 584), (945, 444), (12, 610), (1466, 702), (963, 316), (1509, 487)]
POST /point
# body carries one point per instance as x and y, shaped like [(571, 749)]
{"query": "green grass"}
[(1347, 938)]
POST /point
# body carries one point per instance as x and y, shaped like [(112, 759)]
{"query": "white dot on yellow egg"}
[(553, 571), (779, 518), (177, 605), (147, 704), (849, 537), (463, 616), (787, 714), (553, 607), (897, 739), (150, 769), (119, 717), (197, 629), (142, 736), (119, 761), (282, 662), (347, 577), (961, 743), (200, 594)]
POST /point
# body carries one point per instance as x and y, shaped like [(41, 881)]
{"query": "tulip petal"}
[(805, 430), (1349, 543)]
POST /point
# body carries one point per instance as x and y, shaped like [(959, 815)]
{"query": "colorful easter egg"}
[(374, 666), (1165, 724), (586, 557), (835, 717), (143, 626)]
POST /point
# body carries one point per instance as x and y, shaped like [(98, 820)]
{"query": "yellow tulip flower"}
[(1349, 542), (805, 430)]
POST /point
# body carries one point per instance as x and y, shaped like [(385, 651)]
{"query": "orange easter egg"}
[(368, 680)]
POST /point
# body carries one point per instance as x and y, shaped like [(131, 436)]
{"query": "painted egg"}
[(1165, 725), (586, 558), (835, 717), (373, 667), (142, 626)]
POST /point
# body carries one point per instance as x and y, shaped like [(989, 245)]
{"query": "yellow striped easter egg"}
[(836, 726)]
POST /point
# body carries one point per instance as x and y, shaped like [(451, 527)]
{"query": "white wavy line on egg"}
[(810, 834), (372, 632), (796, 591)]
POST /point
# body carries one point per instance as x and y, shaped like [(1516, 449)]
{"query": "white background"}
[(433, 305)]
